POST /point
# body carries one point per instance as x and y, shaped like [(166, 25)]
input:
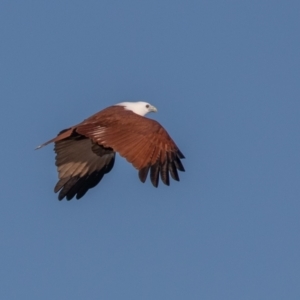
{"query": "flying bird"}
[(86, 152)]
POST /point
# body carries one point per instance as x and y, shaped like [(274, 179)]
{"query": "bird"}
[(86, 152)]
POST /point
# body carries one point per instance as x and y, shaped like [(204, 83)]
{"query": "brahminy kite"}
[(86, 152)]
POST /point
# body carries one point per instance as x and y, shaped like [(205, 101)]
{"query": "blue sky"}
[(224, 76)]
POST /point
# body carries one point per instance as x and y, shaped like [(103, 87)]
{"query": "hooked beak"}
[(152, 109)]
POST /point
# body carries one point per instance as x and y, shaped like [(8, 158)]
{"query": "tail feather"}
[(62, 135)]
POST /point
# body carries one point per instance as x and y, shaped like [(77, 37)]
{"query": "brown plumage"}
[(86, 152)]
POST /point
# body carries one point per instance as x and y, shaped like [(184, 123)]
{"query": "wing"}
[(81, 165), (142, 141)]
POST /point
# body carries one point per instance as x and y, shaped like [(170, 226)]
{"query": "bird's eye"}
[(147, 105)]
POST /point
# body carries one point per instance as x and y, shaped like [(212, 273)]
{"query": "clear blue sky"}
[(225, 77)]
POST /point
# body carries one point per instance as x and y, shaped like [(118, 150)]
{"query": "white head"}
[(140, 108)]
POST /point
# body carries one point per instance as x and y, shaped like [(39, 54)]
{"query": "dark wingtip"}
[(60, 198), (180, 155), (173, 171), (164, 173), (179, 165), (143, 173), (154, 174)]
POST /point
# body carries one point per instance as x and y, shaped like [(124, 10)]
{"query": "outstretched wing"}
[(81, 165), (142, 141)]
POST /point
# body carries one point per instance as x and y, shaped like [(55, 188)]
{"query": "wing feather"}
[(178, 164), (173, 170), (81, 165), (141, 141), (143, 173), (154, 174), (164, 173)]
